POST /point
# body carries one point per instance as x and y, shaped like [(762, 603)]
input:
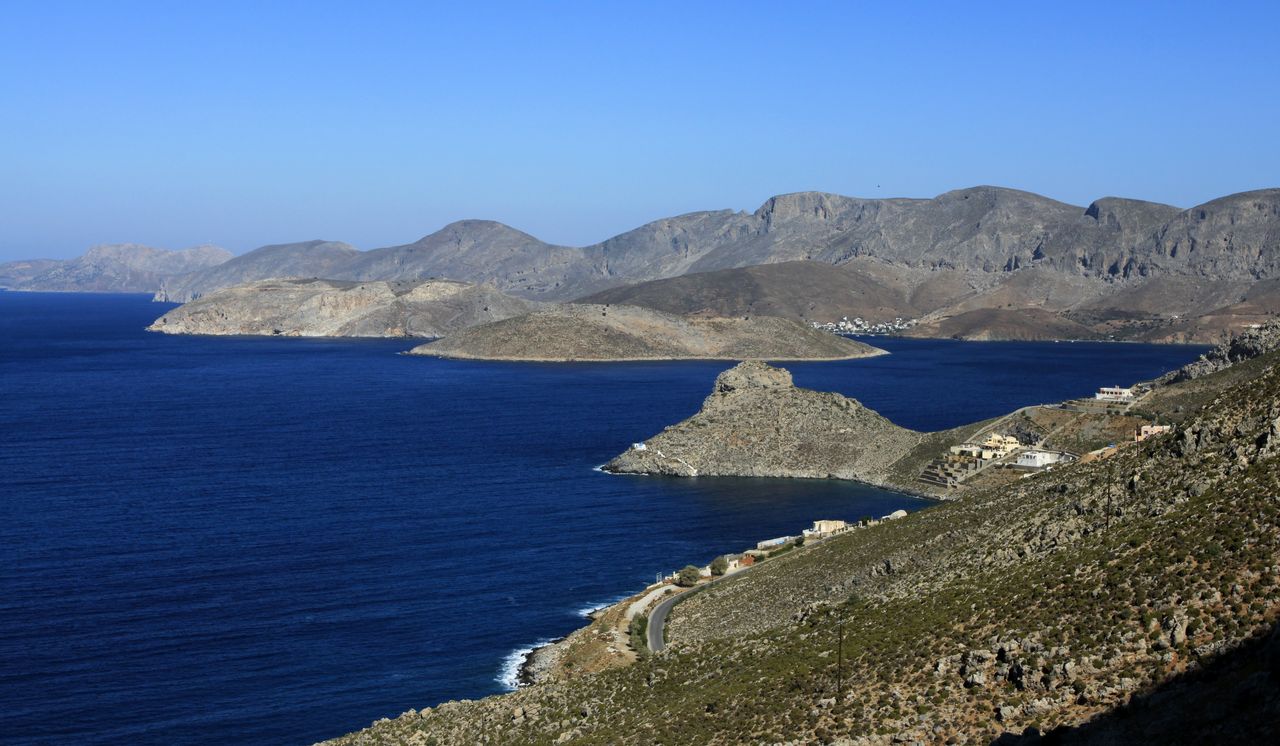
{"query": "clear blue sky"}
[(377, 122)]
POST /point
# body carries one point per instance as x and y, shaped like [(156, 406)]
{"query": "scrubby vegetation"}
[(1099, 599)]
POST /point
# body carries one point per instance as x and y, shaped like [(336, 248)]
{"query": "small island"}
[(593, 332)]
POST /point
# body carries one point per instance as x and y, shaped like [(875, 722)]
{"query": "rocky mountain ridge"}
[(111, 268), (330, 308), (966, 262)]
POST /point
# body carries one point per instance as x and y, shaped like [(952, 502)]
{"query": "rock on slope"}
[(1131, 599), (756, 423), (595, 332), (330, 308), (1251, 344), (122, 268)]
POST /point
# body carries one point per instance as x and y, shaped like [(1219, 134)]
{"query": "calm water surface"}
[(277, 540)]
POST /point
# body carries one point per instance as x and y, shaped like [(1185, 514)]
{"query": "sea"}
[(277, 541)]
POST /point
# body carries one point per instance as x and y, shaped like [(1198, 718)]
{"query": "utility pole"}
[(840, 663)]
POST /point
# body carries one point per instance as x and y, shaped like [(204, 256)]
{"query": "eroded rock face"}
[(757, 423)]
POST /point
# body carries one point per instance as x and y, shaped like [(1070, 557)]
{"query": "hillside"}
[(306, 259), (756, 423), (329, 308), (597, 332), (1129, 599), (115, 268), (801, 291)]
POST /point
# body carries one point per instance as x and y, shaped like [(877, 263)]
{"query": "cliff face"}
[(328, 308), (756, 423), (596, 332)]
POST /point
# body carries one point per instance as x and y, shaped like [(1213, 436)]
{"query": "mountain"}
[(16, 274), (597, 332), (799, 290), (114, 268), (306, 259), (474, 250), (1126, 599), (333, 308), (1120, 268)]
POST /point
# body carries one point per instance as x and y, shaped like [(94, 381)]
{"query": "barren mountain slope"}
[(332, 308), (598, 332)]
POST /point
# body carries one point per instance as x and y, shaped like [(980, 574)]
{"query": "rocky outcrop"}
[(330, 308), (598, 332), (756, 423), (1250, 344), (115, 268)]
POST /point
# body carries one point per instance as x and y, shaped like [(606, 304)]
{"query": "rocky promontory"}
[(334, 308), (756, 423), (600, 332)]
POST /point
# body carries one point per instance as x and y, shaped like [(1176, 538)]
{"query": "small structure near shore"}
[(1114, 393), (822, 529), (1037, 459)]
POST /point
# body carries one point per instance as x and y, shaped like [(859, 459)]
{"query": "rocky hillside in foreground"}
[(116, 268), (596, 332), (330, 308), (1132, 599), (756, 423)]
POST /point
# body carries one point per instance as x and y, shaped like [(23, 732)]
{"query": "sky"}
[(376, 123)]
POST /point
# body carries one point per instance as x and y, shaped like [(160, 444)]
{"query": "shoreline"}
[(526, 667), (459, 356)]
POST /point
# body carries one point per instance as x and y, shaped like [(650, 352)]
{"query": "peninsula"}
[(335, 308), (614, 333), (756, 423)]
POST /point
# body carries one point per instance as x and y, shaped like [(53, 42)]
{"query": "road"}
[(658, 617), (658, 622)]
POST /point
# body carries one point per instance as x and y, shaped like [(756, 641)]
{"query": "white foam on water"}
[(586, 611), (509, 674)]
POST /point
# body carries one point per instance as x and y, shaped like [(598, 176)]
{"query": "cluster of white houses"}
[(820, 530)]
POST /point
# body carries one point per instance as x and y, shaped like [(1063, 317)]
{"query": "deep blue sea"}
[(274, 541)]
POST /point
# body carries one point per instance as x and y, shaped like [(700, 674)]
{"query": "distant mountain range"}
[(111, 268), (984, 262)]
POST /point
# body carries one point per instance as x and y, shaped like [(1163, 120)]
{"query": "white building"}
[(1114, 393), (824, 528), (1039, 459), (771, 543)]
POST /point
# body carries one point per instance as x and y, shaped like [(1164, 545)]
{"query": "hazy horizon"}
[(244, 126)]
